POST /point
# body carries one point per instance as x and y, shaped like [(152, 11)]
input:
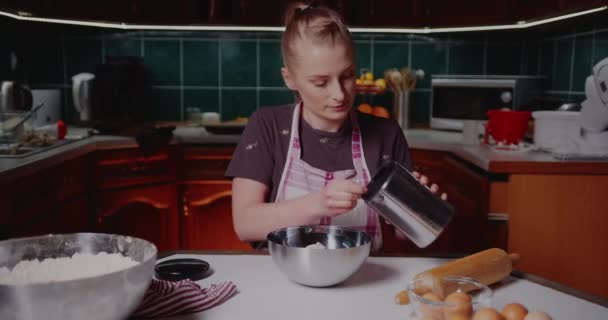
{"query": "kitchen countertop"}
[(11, 168), (265, 293), (493, 160), (481, 156)]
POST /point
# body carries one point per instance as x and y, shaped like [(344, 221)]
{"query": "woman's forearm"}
[(253, 222)]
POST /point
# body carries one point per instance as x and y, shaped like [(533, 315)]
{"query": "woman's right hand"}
[(338, 197)]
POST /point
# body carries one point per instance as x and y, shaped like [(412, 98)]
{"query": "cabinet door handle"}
[(212, 198)]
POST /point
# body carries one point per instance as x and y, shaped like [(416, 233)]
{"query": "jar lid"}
[(181, 269)]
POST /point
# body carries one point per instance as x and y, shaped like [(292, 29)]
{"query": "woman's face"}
[(324, 76)]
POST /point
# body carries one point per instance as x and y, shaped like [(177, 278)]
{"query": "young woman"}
[(309, 163)]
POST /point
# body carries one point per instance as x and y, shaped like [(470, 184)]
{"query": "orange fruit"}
[(365, 108), (381, 112)]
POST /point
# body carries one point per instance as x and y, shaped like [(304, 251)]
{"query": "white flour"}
[(61, 269), (317, 245)]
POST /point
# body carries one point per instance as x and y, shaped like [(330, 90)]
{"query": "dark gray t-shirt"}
[(262, 149)]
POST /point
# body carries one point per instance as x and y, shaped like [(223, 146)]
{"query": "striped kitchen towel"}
[(166, 298)]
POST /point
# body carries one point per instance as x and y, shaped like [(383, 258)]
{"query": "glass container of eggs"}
[(464, 298)]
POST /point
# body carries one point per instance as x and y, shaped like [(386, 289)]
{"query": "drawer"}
[(128, 167), (205, 163)]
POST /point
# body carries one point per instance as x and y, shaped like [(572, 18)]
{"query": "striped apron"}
[(299, 178)]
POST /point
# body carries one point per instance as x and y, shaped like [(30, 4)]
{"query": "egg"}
[(487, 314), (459, 305), (514, 311), (537, 315), (430, 311)]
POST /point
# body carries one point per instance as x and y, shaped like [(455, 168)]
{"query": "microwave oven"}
[(455, 98)]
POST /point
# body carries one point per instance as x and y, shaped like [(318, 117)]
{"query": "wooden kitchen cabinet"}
[(181, 11), (148, 212), (51, 200), (357, 13), (206, 199), (536, 9), (71, 9), (132, 11), (180, 199), (373, 13), (557, 223), (32, 204), (206, 217), (439, 13), (136, 195)]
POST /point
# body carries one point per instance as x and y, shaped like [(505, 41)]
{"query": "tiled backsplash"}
[(235, 73)]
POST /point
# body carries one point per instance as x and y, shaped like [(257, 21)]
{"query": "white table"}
[(265, 293)]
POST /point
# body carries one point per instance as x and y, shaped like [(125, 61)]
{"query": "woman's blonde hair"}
[(314, 21)]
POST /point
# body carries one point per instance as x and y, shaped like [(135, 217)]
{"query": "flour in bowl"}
[(62, 269), (317, 245)]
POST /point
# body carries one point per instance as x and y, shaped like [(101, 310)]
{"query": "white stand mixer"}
[(594, 113)]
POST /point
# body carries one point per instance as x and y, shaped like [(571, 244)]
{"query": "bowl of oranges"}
[(367, 84)]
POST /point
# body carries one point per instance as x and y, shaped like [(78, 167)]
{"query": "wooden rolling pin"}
[(488, 267)]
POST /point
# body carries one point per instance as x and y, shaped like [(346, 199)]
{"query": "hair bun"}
[(298, 7), (293, 8), (314, 20)]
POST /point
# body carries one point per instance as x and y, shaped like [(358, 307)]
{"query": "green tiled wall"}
[(235, 73)]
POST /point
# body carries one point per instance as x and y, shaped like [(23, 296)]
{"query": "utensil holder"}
[(401, 108)]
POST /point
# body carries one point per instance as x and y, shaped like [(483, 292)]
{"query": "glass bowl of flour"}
[(74, 276)]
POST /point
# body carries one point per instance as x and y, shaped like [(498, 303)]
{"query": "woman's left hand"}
[(424, 180)]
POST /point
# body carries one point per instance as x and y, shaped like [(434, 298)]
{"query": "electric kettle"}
[(82, 89)]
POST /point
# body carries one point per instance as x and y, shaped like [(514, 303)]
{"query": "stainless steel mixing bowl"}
[(346, 251), (111, 296)]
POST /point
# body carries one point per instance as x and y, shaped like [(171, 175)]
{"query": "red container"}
[(507, 126)]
